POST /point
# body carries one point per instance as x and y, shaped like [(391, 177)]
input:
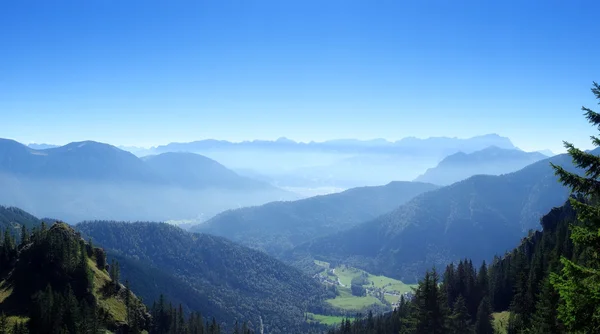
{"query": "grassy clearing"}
[(325, 319), (322, 264), (391, 299), (501, 321), (390, 284), (346, 274), (348, 302), (115, 307), (16, 319), (4, 292)]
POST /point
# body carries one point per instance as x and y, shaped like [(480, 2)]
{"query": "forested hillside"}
[(518, 283), (209, 274), (279, 226), (490, 212), (12, 217), (52, 281)]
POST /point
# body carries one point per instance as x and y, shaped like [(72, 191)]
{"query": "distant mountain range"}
[(279, 226), (475, 218), (42, 146), (340, 163), (407, 145), (315, 167), (489, 161), (93, 180)]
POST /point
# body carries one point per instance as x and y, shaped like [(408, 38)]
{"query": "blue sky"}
[(151, 72)]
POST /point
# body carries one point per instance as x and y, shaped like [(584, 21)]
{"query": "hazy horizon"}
[(390, 141)]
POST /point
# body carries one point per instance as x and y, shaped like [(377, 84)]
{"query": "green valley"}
[(379, 292)]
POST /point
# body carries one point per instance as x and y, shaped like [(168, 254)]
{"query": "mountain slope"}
[(89, 180), (83, 160), (196, 171), (278, 226), (515, 286), (56, 282), (476, 218), (12, 217), (208, 274), (489, 161)]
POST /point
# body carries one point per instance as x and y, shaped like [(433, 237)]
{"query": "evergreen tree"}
[(128, 302), (579, 284), (483, 285), (3, 324), (545, 317), (460, 318), (484, 322), (430, 304), (24, 235)]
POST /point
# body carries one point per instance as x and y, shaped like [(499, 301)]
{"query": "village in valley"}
[(357, 288)]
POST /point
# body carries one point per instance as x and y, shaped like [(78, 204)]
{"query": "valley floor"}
[(381, 292)]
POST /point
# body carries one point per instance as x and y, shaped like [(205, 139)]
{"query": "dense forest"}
[(52, 281), (211, 275), (279, 226)]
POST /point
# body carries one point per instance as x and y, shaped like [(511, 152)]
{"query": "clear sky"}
[(152, 72)]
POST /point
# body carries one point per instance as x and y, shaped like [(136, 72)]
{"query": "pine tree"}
[(483, 285), (544, 319), (578, 284), (24, 235), (483, 325), (431, 306), (128, 302), (3, 324), (460, 318)]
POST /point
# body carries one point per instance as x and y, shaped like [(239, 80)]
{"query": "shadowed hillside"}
[(279, 226), (475, 218)]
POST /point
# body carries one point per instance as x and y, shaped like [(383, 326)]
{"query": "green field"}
[(347, 301), (346, 274), (501, 322), (391, 299), (324, 319)]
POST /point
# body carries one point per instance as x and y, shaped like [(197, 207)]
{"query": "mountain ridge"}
[(476, 218), (491, 160), (278, 226)]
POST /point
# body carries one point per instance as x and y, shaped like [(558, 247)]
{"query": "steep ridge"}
[(489, 161), (209, 274), (53, 281), (14, 218), (279, 226), (475, 218)]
